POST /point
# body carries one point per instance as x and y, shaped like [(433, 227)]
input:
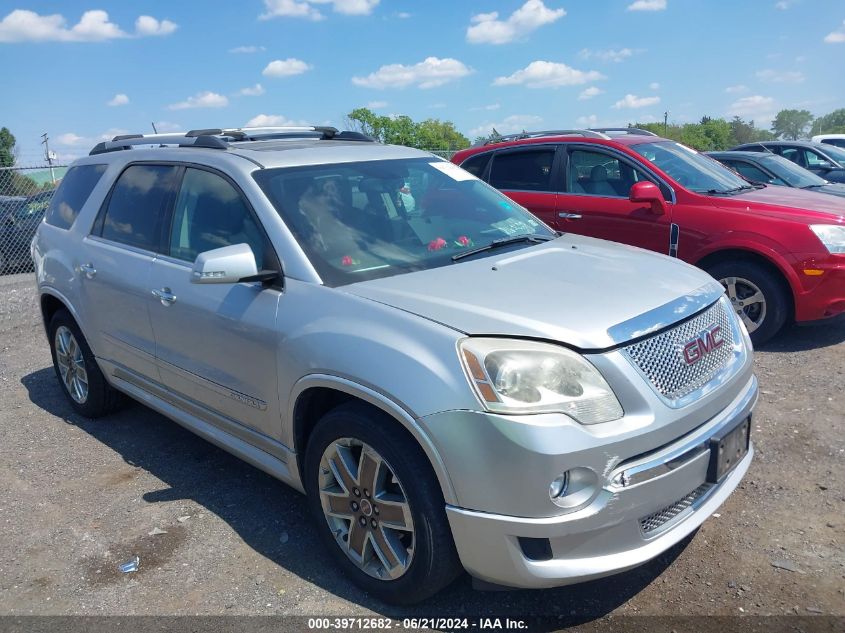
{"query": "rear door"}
[(216, 344), (115, 263), (595, 201), (526, 175)]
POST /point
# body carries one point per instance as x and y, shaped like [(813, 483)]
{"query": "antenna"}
[(155, 131)]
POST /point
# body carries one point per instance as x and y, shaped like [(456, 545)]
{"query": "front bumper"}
[(620, 528), (823, 296)]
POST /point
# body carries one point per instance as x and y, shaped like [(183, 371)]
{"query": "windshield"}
[(359, 221), (836, 153), (691, 169), (791, 173)]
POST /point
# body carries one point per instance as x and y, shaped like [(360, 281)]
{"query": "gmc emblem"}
[(706, 342)]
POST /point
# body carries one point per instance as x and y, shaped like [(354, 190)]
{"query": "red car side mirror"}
[(648, 192)]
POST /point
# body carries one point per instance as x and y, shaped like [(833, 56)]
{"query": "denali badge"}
[(709, 340)]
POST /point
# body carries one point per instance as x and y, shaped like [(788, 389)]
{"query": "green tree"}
[(7, 148), (792, 124), (12, 183), (431, 134), (833, 123)]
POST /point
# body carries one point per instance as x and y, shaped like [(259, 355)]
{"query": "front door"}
[(216, 344), (596, 202)]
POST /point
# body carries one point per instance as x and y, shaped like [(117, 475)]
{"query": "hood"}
[(583, 292), (834, 189), (784, 200)]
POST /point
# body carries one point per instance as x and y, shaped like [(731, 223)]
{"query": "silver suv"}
[(451, 383)]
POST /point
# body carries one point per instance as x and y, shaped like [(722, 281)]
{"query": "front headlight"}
[(513, 376), (832, 236)]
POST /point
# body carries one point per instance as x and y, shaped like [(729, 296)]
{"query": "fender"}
[(387, 404)]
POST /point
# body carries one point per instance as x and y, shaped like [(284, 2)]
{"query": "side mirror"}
[(226, 265), (649, 193)]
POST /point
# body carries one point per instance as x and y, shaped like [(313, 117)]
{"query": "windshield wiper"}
[(503, 241), (727, 192)]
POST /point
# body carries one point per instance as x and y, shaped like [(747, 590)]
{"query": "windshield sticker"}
[(512, 226), (453, 171)]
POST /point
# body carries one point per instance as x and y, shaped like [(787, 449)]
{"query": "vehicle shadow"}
[(259, 509), (802, 338)]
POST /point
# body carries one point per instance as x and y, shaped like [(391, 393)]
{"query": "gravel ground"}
[(81, 496)]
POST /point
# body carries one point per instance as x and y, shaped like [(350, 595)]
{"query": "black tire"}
[(773, 287), (102, 398), (435, 562)]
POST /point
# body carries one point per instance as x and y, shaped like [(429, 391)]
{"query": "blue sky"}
[(84, 70)]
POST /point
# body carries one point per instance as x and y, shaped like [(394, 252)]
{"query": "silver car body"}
[(393, 342)]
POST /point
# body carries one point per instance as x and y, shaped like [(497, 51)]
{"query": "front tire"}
[(76, 368), (378, 506), (758, 295)]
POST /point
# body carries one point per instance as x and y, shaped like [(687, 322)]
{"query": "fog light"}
[(574, 489), (558, 486)]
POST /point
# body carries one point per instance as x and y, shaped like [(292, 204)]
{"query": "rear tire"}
[(76, 368), (390, 536), (759, 296)]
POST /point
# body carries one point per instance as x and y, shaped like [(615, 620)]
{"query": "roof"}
[(741, 154)]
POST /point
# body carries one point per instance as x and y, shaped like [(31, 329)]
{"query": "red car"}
[(780, 253)]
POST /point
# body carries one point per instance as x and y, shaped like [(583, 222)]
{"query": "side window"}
[(72, 193), (751, 172), (137, 205), (814, 159), (525, 170), (477, 164), (210, 213), (599, 174)]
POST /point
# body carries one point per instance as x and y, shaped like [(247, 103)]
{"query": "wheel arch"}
[(784, 272), (315, 395), (50, 302)]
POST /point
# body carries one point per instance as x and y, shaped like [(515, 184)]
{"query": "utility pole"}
[(49, 156), (666, 123)]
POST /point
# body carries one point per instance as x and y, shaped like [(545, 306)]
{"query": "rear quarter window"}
[(72, 194)]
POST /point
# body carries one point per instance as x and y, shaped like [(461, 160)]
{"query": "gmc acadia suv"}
[(779, 253), (452, 384)]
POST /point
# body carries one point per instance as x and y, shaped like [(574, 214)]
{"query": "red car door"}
[(596, 200), (527, 176)]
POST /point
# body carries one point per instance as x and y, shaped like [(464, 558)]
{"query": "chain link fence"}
[(25, 194)]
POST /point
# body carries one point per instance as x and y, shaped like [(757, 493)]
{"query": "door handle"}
[(569, 216), (165, 296), (88, 270)]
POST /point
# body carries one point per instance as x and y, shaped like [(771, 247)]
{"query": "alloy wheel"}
[(71, 364), (748, 301), (366, 509)]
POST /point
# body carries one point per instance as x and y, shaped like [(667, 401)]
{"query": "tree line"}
[(12, 182)]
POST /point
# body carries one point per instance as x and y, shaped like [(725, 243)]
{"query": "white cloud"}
[(71, 139), (205, 99), (783, 5), (647, 5), (736, 89), (168, 126), (654, 86), (780, 77), (487, 28), (589, 93), (837, 36), (404, 15), (377, 105), (273, 120), (429, 73), (247, 49), (94, 26), (587, 121), (757, 107), (509, 125), (118, 100), (252, 91), (633, 101), (306, 9), (542, 74), (147, 25), (609, 55), (285, 68), (489, 108)]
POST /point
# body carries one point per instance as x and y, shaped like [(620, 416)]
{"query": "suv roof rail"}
[(219, 138), (542, 133), (623, 130), (127, 141)]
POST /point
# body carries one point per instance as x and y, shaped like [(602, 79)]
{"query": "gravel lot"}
[(80, 496)]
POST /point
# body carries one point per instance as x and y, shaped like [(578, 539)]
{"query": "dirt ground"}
[(78, 497)]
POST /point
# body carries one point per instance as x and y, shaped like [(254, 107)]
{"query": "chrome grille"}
[(661, 358), (653, 522)]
